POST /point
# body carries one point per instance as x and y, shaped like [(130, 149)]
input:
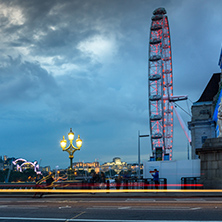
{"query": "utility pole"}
[(139, 151)]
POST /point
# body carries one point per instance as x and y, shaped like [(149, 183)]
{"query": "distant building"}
[(7, 162), (1, 163), (20, 164), (117, 165), (95, 166), (45, 170)]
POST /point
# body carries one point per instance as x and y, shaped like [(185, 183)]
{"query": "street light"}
[(71, 149), (139, 150)]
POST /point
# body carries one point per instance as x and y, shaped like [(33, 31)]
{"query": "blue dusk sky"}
[(83, 64)]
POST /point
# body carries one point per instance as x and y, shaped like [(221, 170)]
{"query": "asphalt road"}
[(107, 208)]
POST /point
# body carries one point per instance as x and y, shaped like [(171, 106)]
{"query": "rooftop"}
[(211, 89)]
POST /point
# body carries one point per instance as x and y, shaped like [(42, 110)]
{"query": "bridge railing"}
[(191, 183), (14, 185), (86, 184)]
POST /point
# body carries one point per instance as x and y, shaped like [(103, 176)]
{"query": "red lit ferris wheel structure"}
[(161, 85)]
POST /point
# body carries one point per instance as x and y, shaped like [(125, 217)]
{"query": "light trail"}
[(109, 191)]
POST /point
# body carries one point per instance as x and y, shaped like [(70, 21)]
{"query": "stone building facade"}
[(206, 144), (202, 125), (211, 163)]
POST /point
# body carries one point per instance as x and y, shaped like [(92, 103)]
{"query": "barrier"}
[(150, 184), (86, 185), (190, 183)]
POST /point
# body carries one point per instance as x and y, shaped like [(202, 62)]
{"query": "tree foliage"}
[(16, 176)]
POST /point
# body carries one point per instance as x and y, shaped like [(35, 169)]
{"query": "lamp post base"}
[(71, 175)]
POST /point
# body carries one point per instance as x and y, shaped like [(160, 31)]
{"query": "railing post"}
[(107, 185), (165, 183), (185, 183)]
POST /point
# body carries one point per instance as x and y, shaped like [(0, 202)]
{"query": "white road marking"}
[(63, 207), (196, 208), (142, 208)]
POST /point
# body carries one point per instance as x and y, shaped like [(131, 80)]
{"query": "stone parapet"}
[(215, 143), (211, 163)]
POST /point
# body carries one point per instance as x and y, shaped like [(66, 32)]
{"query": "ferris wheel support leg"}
[(184, 127)]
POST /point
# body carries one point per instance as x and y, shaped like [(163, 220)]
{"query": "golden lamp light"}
[(71, 149)]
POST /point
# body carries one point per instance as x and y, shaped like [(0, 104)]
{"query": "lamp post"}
[(71, 149), (139, 151)]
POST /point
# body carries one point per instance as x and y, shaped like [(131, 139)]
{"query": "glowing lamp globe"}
[(71, 135), (78, 142), (63, 143)]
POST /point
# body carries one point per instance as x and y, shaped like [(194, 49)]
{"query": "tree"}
[(16, 176)]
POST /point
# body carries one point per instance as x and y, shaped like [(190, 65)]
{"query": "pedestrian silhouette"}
[(156, 178)]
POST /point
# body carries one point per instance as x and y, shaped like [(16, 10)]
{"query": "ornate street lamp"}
[(71, 149)]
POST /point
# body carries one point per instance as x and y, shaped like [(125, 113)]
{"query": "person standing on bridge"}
[(156, 178)]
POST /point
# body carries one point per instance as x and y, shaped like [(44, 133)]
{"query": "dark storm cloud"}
[(24, 81), (56, 27)]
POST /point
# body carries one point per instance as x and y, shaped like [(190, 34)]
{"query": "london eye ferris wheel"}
[(161, 98), (160, 84)]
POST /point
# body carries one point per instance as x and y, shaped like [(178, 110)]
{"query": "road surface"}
[(95, 208)]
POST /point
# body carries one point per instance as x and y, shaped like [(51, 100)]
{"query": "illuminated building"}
[(202, 124), (117, 165), (88, 167), (7, 162), (210, 153), (22, 164), (45, 170)]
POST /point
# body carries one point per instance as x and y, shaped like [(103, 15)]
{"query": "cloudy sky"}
[(84, 64)]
